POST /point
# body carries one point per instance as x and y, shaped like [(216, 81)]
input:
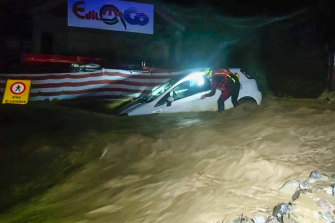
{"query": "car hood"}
[(129, 107)]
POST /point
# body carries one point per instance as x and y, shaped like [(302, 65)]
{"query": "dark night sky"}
[(261, 27), (255, 7), (15, 13)]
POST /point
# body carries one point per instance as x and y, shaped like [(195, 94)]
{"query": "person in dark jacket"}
[(228, 83)]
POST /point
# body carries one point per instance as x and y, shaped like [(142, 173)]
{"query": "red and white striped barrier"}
[(105, 84)]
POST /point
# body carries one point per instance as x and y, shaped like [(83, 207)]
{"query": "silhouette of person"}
[(18, 88)]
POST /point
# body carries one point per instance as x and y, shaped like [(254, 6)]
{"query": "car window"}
[(184, 90), (156, 92), (187, 88), (163, 99)]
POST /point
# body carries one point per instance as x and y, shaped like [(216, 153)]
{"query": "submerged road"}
[(191, 167)]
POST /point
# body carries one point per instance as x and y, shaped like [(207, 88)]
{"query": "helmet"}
[(209, 73)]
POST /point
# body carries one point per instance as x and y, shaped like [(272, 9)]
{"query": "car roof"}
[(179, 77), (182, 76)]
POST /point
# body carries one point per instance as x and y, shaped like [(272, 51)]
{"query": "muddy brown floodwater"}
[(209, 167)]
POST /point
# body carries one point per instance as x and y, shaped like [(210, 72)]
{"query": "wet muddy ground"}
[(61, 164)]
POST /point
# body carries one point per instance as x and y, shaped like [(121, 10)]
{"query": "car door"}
[(187, 95)]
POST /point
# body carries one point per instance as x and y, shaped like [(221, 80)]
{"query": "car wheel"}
[(247, 103)]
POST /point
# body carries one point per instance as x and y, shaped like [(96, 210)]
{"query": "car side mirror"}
[(170, 99)]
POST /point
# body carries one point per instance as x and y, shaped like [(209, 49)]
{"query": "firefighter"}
[(226, 81)]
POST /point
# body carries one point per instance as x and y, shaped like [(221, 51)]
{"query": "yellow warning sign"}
[(17, 92)]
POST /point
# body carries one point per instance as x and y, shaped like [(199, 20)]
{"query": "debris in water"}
[(333, 189), (105, 151)]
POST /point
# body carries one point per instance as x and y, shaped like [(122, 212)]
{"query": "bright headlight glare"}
[(198, 78), (196, 75)]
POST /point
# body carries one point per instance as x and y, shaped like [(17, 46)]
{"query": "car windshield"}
[(158, 90)]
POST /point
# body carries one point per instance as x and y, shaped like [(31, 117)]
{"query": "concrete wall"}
[(115, 47)]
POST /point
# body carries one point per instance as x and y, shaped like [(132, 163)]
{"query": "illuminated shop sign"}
[(112, 15)]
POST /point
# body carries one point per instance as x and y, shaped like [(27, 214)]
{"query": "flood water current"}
[(202, 167)]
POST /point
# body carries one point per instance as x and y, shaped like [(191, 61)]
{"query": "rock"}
[(259, 219), (327, 218), (304, 185), (333, 189), (324, 189), (316, 176), (326, 206), (327, 190), (296, 195), (333, 175), (318, 189), (290, 186), (280, 210)]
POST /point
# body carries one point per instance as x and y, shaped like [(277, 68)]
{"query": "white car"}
[(183, 94)]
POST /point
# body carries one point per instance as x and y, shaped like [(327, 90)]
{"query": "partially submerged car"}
[(183, 94)]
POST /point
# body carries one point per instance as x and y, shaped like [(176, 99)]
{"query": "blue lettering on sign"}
[(135, 18), (111, 10), (110, 15)]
